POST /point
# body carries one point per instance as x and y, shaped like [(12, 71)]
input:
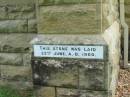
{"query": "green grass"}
[(6, 91)]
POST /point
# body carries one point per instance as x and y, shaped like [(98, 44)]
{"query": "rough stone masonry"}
[(24, 23)]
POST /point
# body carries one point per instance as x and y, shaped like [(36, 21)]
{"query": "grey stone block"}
[(21, 8), (15, 2), (15, 42), (13, 26), (4, 26), (92, 75), (45, 91), (16, 73), (22, 86), (11, 59), (32, 26), (58, 2), (66, 19), (54, 72), (27, 59), (3, 13), (63, 92), (21, 15), (74, 39), (70, 73)]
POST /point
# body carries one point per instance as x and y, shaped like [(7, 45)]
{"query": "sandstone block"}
[(74, 19), (15, 42), (24, 88), (11, 59), (16, 73), (21, 15), (70, 73), (15, 2), (45, 92), (62, 92), (73, 39), (13, 26), (27, 59), (32, 26), (3, 13), (54, 72), (4, 26), (92, 75), (57, 2), (21, 8)]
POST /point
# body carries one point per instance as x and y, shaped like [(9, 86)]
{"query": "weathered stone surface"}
[(13, 26), (110, 13), (92, 75), (45, 92), (3, 13), (32, 26), (70, 73), (10, 12), (15, 42), (73, 39), (62, 92), (22, 15), (16, 73), (21, 8), (113, 41), (54, 72), (86, 93), (27, 59), (19, 85), (4, 26), (11, 59), (66, 19), (15, 2), (56, 2)]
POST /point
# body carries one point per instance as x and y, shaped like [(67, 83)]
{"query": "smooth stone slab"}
[(69, 51)]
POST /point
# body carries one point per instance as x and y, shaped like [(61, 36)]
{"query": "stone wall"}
[(112, 35), (17, 28), (23, 22)]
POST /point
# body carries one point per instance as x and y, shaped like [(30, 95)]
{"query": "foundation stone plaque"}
[(69, 51)]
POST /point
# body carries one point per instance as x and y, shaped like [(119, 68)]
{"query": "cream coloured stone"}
[(77, 19)]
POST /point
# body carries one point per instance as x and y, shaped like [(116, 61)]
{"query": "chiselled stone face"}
[(69, 73), (69, 16)]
